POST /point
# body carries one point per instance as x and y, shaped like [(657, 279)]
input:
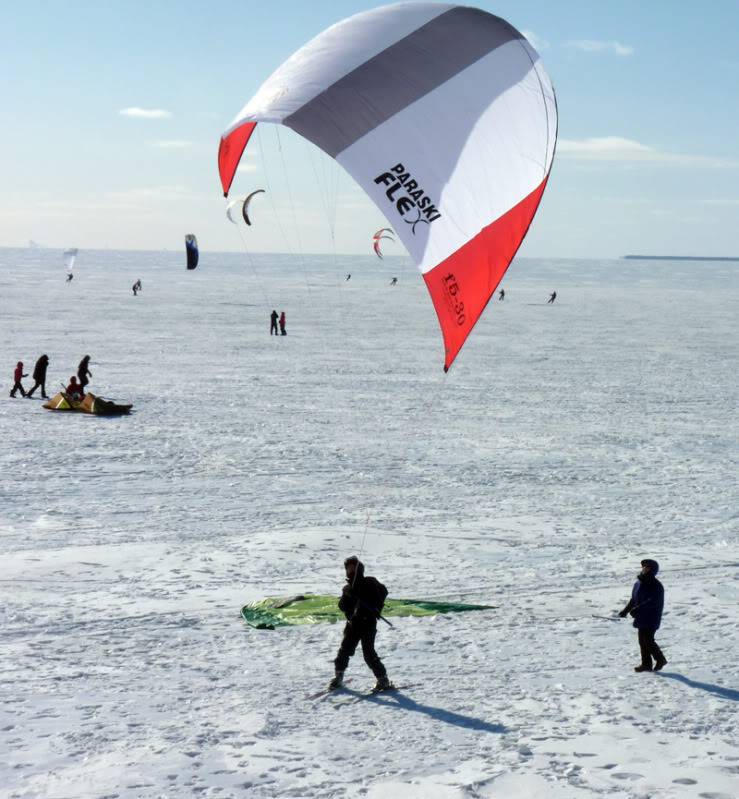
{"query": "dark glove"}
[(624, 613)]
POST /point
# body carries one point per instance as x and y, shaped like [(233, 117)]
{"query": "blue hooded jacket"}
[(647, 599)]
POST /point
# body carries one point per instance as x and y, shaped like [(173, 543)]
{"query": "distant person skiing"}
[(136, 288), (283, 323), (70, 277), (501, 295), (552, 298), (273, 323), (394, 281), (361, 602), (83, 371), (39, 376), (645, 605), (17, 377), (348, 277), (74, 390)]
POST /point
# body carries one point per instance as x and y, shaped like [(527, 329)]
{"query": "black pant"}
[(273, 329), (17, 387), (37, 384), (649, 648), (354, 632)]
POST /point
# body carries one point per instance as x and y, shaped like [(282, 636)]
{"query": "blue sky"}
[(648, 155)]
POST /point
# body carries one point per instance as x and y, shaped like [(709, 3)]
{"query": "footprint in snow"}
[(627, 775)]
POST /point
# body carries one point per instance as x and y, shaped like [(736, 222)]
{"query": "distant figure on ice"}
[(348, 277), (83, 370), (273, 323), (283, 322), (394, 281), (361, 602), (74, 390), (501, 295), (645, 605), (17, 377), (39, 376), (136, 288), (70, 277), (552, 298)]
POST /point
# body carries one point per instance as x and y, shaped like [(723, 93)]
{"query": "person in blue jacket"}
[(645, 605)]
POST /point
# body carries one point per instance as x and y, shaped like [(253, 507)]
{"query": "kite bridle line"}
[(328, 195)]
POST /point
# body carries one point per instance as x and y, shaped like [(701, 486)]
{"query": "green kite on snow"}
[(266, 614)]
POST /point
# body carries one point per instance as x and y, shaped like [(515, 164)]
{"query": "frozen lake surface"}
[(568, 442)]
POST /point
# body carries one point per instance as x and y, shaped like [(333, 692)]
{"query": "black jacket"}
[(39, 371), (362, 599), (646, 603)]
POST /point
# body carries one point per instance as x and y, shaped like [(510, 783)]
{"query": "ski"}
[(359, 697), (326, 691)]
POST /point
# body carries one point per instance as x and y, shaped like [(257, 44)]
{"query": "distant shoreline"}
[(677, 258)]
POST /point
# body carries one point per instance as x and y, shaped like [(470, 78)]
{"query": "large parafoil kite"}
[(191, 249), (445, 116)]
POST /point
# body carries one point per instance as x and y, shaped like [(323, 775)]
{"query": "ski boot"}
[(383, 684), (337, 682)]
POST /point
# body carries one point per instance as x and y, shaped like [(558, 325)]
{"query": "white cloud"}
[(245, 167), (172, 144), (537, 43), (616, 148), (145, 113), (596, 46)]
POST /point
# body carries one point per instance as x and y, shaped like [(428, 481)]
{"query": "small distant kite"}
[(191, 248), (244, 203), (70, 256), (378, 237)]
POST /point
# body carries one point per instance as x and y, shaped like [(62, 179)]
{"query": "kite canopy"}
[(313, 609), (244, 203), (70, 256), (445, 117), (191, 249), (378, 237)]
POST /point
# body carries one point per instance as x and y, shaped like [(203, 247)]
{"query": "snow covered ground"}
[(567, 443)]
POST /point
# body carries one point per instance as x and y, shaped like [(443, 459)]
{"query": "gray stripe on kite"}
[(398, 76)]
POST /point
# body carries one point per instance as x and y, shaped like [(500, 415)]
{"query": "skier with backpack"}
[(361, 602)]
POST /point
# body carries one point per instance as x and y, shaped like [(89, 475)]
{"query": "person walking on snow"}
[(361, 602), (552, 298), (17, 377), (39, 376), (283, 322), (645, 605), (501, 295), (83, 371), (273, 323)]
